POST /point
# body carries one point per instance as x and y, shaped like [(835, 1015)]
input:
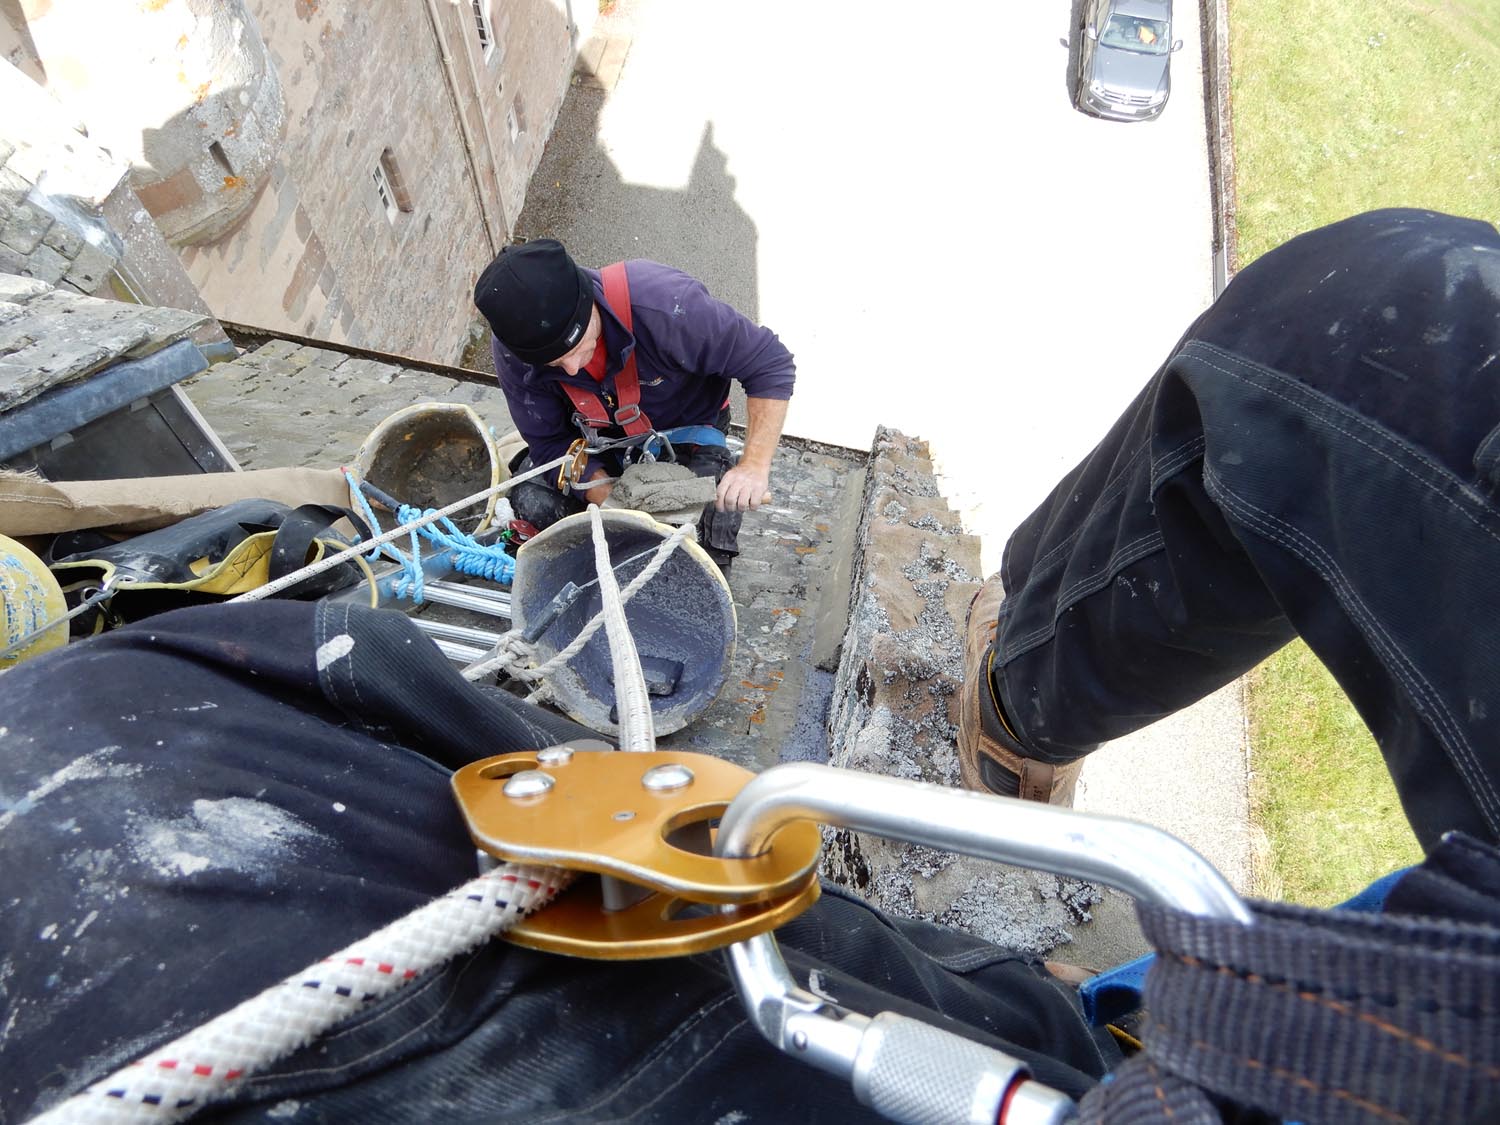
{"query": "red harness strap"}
[(590, 410)]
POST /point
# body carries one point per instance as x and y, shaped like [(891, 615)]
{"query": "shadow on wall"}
[(577, 196)]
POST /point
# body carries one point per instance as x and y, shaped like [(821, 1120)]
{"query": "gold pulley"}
[(641, 826)]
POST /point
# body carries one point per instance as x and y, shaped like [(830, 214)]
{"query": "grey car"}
[(1123, 59)]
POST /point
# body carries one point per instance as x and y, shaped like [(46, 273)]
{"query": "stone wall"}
[(895, 711), (405, 88), (53, 185), (181, 90), (399, 89), (68, 216)]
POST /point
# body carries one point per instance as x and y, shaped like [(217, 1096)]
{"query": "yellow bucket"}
[(30, 597)]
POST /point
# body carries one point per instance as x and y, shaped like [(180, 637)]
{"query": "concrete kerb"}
[(1215, 23)]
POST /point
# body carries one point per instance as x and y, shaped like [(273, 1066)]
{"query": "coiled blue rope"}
[(468, 554)]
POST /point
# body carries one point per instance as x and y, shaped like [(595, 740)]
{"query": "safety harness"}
[(591, 415)]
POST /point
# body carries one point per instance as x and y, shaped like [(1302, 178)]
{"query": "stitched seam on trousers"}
[(683, 1028), (1116, 484), (384, 1047), (1187, 451), (1442, 475), (1339, 1007), (1132, 552), (320, 636), (1290, 1076), (1460, 752), (349, 660), (970, 960), (1174, 462), (399, 1000), (698, 1061)]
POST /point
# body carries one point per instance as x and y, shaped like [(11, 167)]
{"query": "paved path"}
[(906, 195)]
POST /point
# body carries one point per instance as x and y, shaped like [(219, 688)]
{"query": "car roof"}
[(1150, 9)]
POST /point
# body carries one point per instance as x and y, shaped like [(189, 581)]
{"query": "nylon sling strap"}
[(590, 410), (1313, 1015)]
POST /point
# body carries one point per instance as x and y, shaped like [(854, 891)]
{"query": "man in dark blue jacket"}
[(621, 352)]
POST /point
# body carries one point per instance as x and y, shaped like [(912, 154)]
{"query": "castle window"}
[(484, 27), (390, 186), (515, 119)]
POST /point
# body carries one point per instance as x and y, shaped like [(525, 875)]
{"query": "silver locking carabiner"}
[(904, 1068)]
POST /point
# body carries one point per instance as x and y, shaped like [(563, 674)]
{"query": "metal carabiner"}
[(903, 1068), (91, 598), (575, 461)]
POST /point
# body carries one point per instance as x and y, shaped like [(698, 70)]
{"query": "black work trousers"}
[(1319, 456), (198, 806)]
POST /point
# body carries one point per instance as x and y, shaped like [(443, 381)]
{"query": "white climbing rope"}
[(188, 1073), (632, 702), (514, 655), (175, 1081)]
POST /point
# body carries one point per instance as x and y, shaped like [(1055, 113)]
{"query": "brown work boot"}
[(990, 758)]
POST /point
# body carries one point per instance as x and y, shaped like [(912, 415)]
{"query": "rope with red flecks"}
[(181, 1077), (177, 1080)]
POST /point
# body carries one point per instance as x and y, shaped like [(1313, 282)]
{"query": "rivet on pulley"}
[(667, 778), (529, 783), (554, 756)]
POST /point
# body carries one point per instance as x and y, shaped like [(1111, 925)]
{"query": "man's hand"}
[(743, 488), (747, 485), (599, 494)]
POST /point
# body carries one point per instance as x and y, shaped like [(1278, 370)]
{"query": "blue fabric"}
[(690, 435), (1371, 900), (1116, 993), (1313, 459)]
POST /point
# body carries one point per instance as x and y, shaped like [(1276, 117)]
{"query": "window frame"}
[(484, 27)]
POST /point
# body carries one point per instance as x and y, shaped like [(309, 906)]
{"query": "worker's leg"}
[(1319, 456)]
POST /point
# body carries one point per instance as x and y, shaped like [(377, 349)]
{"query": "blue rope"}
[(469, 555)]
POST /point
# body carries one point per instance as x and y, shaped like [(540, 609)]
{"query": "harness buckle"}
[(590, 426), (627, 414)]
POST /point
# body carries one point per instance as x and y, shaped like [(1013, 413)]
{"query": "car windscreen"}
[(1137, 33)]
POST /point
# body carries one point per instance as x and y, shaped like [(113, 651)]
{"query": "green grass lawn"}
[(1322, 800), (1340, 107)]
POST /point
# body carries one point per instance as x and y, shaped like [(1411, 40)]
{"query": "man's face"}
[(583, 351)]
